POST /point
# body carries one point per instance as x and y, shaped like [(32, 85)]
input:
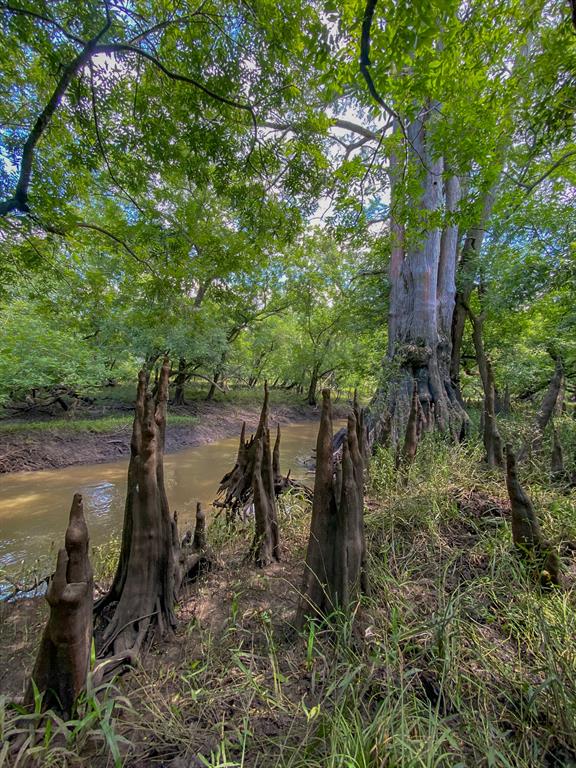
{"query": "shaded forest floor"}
[(100, 432), (455, 659)]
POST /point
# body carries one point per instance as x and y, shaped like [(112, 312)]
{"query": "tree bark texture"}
[(557, 469), (413, 431), (335, 569), (422, 290), (466, 272), (545, 412), (63, 658), (142, 593), (526, 533), (494, 456)]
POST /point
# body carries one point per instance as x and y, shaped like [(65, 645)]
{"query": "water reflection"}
[(34, 506)]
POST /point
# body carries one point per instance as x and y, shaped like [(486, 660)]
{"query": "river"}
[(34, 506)]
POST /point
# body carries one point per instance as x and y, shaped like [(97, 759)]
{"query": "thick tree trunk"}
[(422, 289), (142, 593), (63, 658), (335, 570)]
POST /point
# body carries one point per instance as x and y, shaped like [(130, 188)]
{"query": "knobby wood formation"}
[(335, 570), (63, 659)]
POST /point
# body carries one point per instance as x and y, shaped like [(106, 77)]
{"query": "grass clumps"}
[(456, 658)]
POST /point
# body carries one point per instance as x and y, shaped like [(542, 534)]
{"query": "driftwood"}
[(335, 569), (526, 533), (63, 658)]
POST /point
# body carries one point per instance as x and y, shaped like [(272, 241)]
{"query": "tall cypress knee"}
[(63, 659), (142, 593), (526, 532), (335, 568)]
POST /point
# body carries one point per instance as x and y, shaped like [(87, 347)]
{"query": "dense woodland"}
[(369, 203)]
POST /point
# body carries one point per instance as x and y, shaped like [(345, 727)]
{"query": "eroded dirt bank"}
[(60, 447)]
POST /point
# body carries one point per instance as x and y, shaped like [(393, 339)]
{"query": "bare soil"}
[(31, 450)]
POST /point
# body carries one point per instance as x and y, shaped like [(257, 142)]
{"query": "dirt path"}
[(52, 449)]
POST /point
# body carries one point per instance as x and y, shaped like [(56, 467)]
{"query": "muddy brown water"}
[(34, 506)]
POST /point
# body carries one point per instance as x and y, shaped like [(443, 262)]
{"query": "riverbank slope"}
[(95, 437)]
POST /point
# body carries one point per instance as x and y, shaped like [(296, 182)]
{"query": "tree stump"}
[(254, 483), (335, 569), (526, 533), (63, 659), (191, 555)]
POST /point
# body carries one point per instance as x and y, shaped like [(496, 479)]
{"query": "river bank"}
[(455, 655), (59, 443)]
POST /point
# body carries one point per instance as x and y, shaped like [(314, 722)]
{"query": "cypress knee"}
[(63, 659), (335, 568), (526, 532)]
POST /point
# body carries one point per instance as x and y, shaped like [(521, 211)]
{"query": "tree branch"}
[(365, 59), (19, 201), (46, 19), (127, 48)]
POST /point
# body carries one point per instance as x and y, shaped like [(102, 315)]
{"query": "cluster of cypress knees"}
[(155, 563)]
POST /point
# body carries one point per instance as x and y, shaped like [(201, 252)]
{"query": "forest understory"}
[(455, 659), (356, 218)]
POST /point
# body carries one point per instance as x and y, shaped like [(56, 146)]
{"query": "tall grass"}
[(455, 658)]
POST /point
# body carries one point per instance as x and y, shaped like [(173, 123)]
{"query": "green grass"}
[(455, 659), (102, 415), (95, 425)]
